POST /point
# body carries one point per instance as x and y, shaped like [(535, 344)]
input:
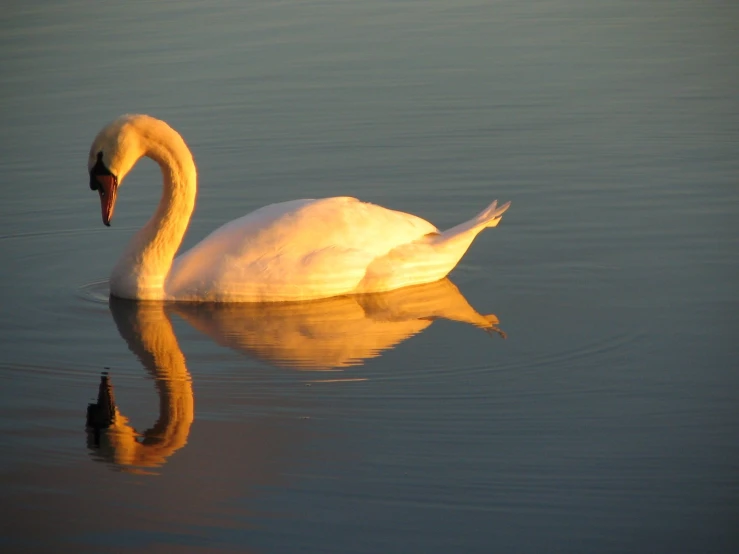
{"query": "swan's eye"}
[(98, 169)]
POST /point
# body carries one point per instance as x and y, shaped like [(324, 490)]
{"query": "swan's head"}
[(113, 153)]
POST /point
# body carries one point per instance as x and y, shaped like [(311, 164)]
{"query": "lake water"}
[(607, 421)]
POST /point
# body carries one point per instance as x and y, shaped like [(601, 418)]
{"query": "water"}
[(605, 422)]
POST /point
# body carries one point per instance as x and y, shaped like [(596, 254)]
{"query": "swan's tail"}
[(465, 232), (492, 214), (431, 257)]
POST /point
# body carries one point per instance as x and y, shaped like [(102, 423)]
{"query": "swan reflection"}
[(333, 333), (319, 335), (147, 330)]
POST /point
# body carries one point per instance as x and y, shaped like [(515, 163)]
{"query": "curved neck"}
[(142, 270)]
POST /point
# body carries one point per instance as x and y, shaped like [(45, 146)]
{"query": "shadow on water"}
[(318, 335)]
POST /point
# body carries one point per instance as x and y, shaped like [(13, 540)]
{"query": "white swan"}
[(296, 250)]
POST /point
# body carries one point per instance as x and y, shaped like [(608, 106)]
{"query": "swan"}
[(297, 250)]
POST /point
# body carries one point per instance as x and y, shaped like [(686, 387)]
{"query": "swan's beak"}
[(108, 188)]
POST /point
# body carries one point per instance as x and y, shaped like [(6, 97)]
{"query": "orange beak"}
[(108, 188)]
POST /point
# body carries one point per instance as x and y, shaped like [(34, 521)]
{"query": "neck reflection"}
[(147, 330)]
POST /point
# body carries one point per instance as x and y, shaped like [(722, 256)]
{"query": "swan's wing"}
[(291, 251)]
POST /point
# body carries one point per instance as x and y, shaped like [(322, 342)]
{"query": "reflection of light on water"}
[(324, 336), (333, 333), (346, 380)]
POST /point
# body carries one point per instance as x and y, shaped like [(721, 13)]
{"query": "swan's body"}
[(297, 250)]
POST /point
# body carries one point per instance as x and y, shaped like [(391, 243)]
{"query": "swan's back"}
[(292, 251)]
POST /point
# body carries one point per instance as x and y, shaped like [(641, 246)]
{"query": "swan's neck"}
[(142, 270)]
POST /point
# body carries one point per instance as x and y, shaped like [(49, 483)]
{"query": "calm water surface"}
[(605, 422)]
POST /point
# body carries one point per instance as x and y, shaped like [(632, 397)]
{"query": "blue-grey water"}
[(607, 421)]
